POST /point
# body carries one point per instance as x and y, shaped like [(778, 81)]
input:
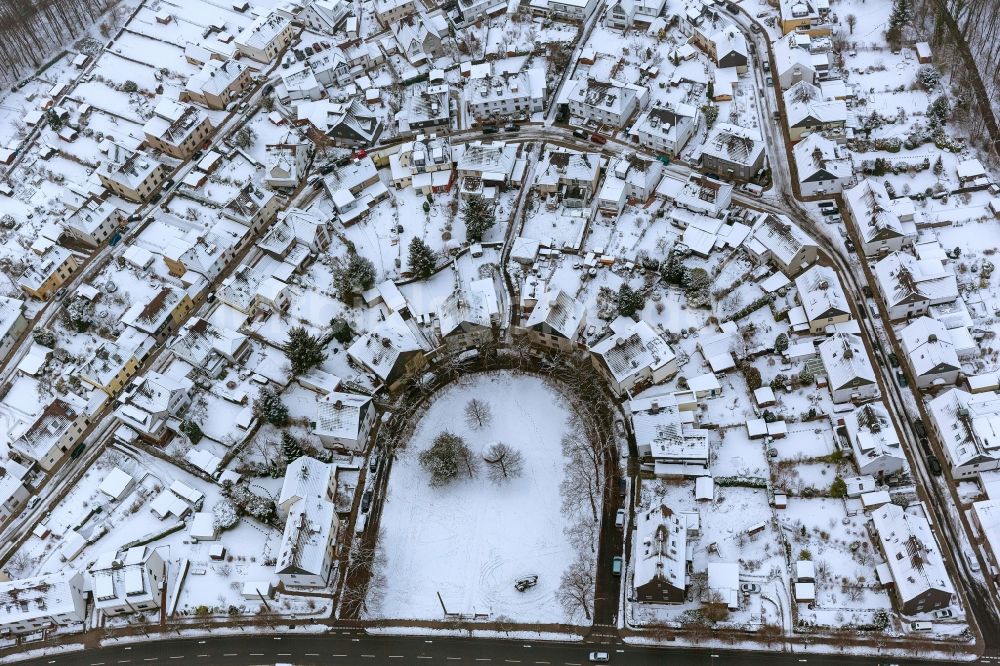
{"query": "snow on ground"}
[(472, 540)]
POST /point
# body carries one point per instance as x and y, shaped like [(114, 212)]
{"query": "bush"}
[(838, 489), (192, 430), (130, 87), (341, 330)]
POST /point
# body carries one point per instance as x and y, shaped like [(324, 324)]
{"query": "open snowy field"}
[(470, 540)]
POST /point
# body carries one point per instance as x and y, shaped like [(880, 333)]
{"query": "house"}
[(12, 323), (970, 172), (110, 366), (930, 353), (571, 10), (287, 162), (473, 11), (849, 371), (632, 355), (253, 207), (419, 38), (666, 129), (204, 254), (14, 493), (702, 195), (330, 68), (798, 57), (875, 220), (807, 16), (49, 601), (208, 347), (343, 420), (506, 94), (93, 223), (217, 84), (426, 107), (874, 441), (161, 315), (128, 582), (724, 584), (660, 560), (355, 189), (484, 167), (807, 112), (568, 177), (469, 318), (390, 351), (732, 151), (308, 544), (665, 436), (46, 274), (251, 290), (153, 405), (131, 174), (630, 178), (608, 102), (778, 240), (966, 425), (346, 124), (823, 299), (295, 227), (919, 579), (909, 286), (299, 82), (56, 431), (177, 129), (388, 12), (726, 47), (823, 167), (556, 321), (263, 39), (324, 15), (431, 158), (306, 478)]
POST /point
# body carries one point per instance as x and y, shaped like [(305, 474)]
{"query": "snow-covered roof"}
[(633, 347), (92, 217), (817, 158), (724, 580), (476, 306), (739, 145), (11, 310), (311, 526), (116, 483), (872, 434), (306, 477), (872, 211), (910, 551), (41, 597), (380, 348), (560, 312), (127, 579), (127, 166), (969, 425), (846, 361), (341, 415), (263, 31), (660, 548), (821, 293), (928, 345), (903, 278)]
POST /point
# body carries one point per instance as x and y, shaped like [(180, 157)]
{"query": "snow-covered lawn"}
[(470, 541)]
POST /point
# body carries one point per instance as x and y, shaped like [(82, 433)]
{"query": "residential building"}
[(153, 405), (426, 107), (390, 351), (666, 129), (253, 207), (660, 560), (849, 371), (389, 12), (426, 163), (910, 286), (484, 167), (217, 84), (608, 102), (129, 582), (506, 94), (726, 47), (630, 178), (208, 347), (287, 162), (110, 366), (55, 433), (874, 217), (930, 353), (874, 441), (308, 543), (807, 112), (732, 151), (469, 318), (162, 315), (177, 129), (633, 355), (295, 227), (571, 10), (346, 124), (776, 239), (205, 254), (823, 167), (324, 15), (966, 425), (343, 420), (920, 582), (14, 493), (355, 189), (665, 435), (568, 177), (46, 274), (330, 68), (823, 299), (263, 39), (131, 174), (556, 321), (49, 601), (806, 16), (12, 323), (306, 478), (798, 57), (93, 223)]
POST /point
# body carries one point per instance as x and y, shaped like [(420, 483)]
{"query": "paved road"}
[(350, 649)]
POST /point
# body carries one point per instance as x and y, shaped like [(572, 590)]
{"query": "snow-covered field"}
[(471, 540)]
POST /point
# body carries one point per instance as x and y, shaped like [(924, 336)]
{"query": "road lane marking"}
[(256, 654), (368, 656), (395, 656), (284, 654), (230, 654), (339, 655), (512, 661), (453, 658), (312, 654), (421, 656)]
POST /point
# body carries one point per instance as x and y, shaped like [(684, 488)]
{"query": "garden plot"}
[(471, 540), (847, 589), (735, 454)]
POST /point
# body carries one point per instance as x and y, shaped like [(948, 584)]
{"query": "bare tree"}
[(576, 587), (504, 462), (852, 20), (477, 413)]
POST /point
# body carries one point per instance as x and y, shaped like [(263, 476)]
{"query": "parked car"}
[(366, 501), (620, 518), (598, 139), (849, 244), (512, 127), (750, 588), (599, 657), (918, 427), (921, 626), (934, 464), (943, 614), (616, 566), (490, 129), (579, 133)]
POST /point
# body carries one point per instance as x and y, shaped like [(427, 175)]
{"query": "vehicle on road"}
[(114, 240), (918, 425), (580, 134), (934, 464), (663, 159), (770, 81), (620, 518), (849, 244), (598, 139), (33, 502), (921, 626), (490, 129), (366, 501), (512, 127), (599, 657), (616, 566)]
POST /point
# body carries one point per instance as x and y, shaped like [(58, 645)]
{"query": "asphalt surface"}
[(351, 648)]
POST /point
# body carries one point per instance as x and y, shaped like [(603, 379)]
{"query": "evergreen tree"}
[(192, 430), (354, 277), (672, 270), (478, 217), (938, 167), (268, 406), (446, 458), (805, 377), (341, 330), (422, 259), (629, 300), (290, 448), (303, 351), (781, 343)]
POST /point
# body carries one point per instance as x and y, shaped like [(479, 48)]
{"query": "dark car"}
[(490, 129), (918, 426), (366, 501), (579, 133), (512, 127), (849, 244), (934, 464), (267, 89), (830, 211)]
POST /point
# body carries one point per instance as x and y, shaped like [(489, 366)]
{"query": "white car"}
[(599, 657), (620, 518)]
